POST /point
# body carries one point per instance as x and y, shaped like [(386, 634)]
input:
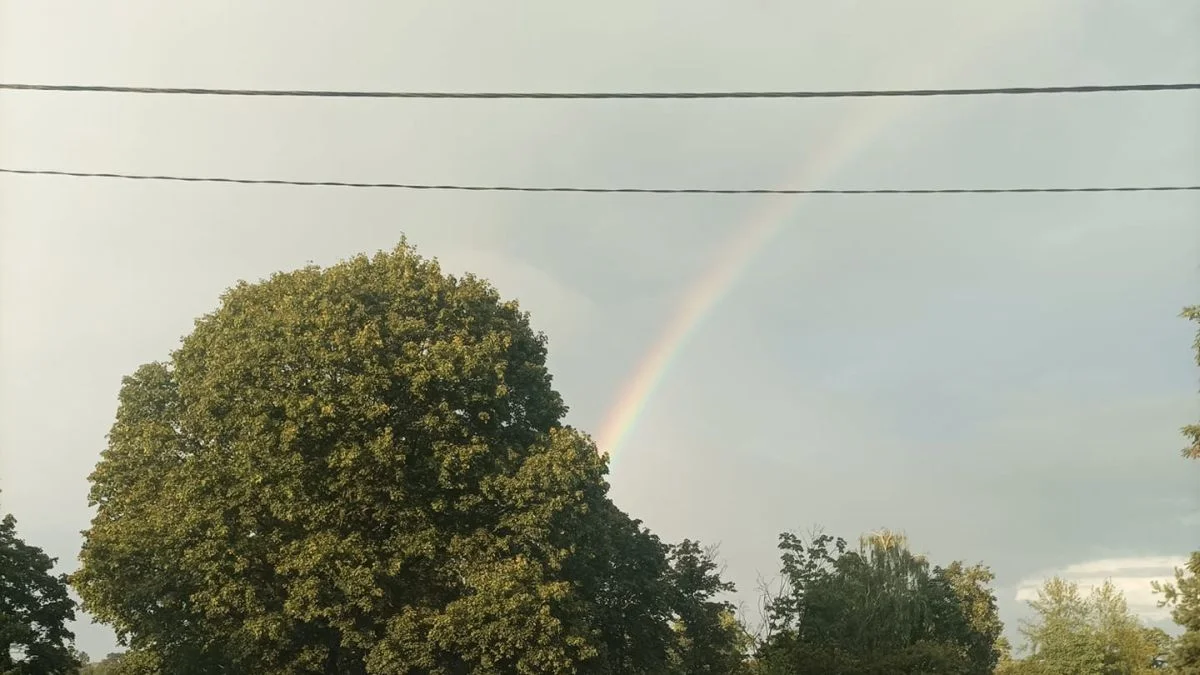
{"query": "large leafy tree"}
[(363, 469), (34, 609), (1074, 634), (877, 609)]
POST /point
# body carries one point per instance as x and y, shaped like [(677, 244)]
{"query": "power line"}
[(620, 190), (861, 93)]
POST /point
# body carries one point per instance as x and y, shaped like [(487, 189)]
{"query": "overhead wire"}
[(864, 93), (602, 190), (858, 93)]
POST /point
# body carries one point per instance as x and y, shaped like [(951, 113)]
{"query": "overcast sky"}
[(1002, 377)]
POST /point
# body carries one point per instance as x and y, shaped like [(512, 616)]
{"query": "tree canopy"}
[(708, 638), (34, 609), (363, 469), (1095, 634), (877, 609)]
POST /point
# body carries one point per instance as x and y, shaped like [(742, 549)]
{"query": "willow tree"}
[(363, 469)]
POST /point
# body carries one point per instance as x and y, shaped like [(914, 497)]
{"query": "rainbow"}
[(851, 136), (853, 133)]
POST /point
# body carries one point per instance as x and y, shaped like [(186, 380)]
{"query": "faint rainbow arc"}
[(839, 147), (847, 140)]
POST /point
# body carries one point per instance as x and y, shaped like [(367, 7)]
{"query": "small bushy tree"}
[(1095, 634), (34, 610)]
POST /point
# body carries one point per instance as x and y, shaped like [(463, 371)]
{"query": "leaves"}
[(363, 469), (1094, 634), (708, 638), (975, 604), (1192, 431), (34, 609), (879, 608), (1183, 597)]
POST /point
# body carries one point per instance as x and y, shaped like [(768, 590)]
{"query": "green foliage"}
[(1096, 635), (112, 664), (1184, 595), (1163, 646), (34, 610), (1184, 599), (981, 627), (362, 469), (1192, 431), (708, 638), (880, 609)]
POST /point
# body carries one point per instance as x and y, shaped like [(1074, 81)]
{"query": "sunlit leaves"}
[(362, 469), (1096, 633)]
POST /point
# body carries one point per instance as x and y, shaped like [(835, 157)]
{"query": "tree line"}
[(364, 469)]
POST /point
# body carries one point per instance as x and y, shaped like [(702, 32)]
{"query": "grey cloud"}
[(986, 373)]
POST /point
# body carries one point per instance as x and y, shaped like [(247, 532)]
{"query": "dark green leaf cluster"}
[(34, 609), (708, 638), (877, 609)]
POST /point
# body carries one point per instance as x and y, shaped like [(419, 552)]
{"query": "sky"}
[(1001, 377)]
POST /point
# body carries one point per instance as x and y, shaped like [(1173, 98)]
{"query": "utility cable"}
[(619, 190), (860, 93)]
